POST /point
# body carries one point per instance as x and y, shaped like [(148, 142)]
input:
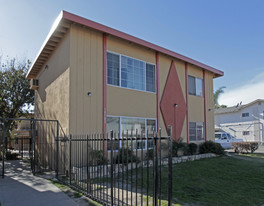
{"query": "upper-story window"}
[(195, 86), (130, 73), (246, 114)]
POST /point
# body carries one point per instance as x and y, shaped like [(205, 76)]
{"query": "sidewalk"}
[(20, 187)]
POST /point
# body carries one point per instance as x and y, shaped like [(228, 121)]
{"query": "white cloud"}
[(248, 92)]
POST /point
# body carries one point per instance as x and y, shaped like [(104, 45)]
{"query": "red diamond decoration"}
[(172, 94)]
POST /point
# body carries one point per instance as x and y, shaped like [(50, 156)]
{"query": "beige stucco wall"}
[(128, 102), (52, 97), (196, 103), (86, 63), (76, 68), (209, 105)]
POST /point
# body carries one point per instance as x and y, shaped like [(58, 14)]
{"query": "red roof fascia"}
[(122, 35)]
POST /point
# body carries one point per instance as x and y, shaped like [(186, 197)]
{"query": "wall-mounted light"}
[(89, 94), (209, 110), (46, 66), (175, 105)]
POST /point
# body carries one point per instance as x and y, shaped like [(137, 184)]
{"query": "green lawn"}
[(215, 181), (254, 155)]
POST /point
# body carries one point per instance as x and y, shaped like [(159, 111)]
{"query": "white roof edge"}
[(53, 28)]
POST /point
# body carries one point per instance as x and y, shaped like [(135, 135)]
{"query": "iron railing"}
[(40, 145), (130, 168), (116, 169)]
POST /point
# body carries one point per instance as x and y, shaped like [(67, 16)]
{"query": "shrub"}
[(11, 156), (192, 148), (97, 157), (211, 147), (126, 155), (245, 147), (219, 149), (253, 146), (176, 146), (149, 155)]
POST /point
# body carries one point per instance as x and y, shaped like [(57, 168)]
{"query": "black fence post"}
[(112, 169), (70, 156), (22, 147), (57, 150), (170, 166), (34, 147), (3, 154), (155, 171)]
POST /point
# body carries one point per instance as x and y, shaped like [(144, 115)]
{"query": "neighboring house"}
[(22, 134), (242, 121), (93, 78)]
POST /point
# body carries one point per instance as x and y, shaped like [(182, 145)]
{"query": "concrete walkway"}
[(20, 187)]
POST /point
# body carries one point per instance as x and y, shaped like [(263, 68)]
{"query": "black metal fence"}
[(35, 141), (114, 169)]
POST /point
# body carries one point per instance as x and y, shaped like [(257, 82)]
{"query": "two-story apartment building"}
[(242, 121), (93, 78)]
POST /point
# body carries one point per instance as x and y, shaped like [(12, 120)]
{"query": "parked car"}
[(225, 139)]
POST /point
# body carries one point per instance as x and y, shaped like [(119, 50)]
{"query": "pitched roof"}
[(236, 108), (62, 25)]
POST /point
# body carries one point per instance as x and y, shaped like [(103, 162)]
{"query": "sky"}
[(225, 34)]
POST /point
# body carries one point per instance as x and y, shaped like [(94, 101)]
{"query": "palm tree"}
[(216, 97)]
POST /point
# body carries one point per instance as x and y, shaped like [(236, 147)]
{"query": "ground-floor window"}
[(131, 127), (196, 131)]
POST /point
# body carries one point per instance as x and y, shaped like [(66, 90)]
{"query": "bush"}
[(98, 158), (176, 146), (192, 148), (211, 147), (126, 155), (187, 149), (245, 147), (149, 155), (11, 156), (253, 146)]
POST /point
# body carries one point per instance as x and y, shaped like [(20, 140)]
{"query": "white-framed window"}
[(195, 86), (131, 127), (128, 72), (246, 114), (113, 68), (196, 131)]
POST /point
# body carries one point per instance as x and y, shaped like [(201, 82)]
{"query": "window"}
[(134, 73), (245, 132), (132, 127), (195, 86), (113, 124), (113, 69), (150, 78), (245, 114), (196, 131)]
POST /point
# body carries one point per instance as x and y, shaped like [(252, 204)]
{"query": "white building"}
[(242, 121)]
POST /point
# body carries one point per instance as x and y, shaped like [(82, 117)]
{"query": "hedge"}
[(245, 147)]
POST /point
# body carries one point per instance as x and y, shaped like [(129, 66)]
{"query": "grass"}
[(71, 193), (216, 181), (254, 155), (219, 181)]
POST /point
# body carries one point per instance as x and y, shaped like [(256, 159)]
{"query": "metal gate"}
[(32, 139)]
